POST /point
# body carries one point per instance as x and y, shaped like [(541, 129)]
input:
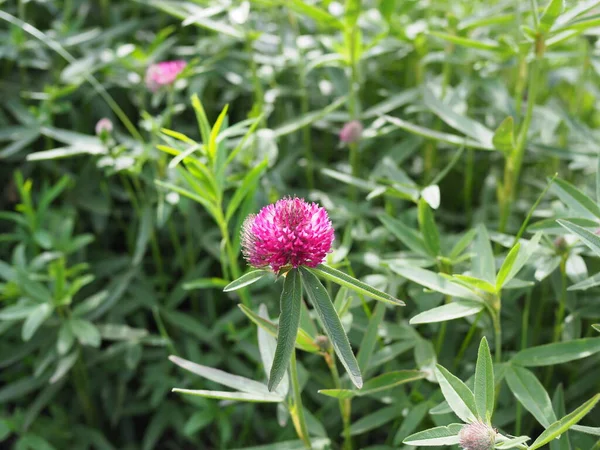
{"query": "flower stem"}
[(345, 404), (514, 161), (497, 336), (296, 410), (560, 312)]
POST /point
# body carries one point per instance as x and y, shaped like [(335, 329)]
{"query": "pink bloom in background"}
[(351, 132), (104, 125), (289, 232), (163, 73)]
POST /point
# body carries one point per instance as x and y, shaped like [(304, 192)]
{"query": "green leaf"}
[(320, 300), (266, 346), (86, 332), (457, 394), (374, 420), (596, 326), (504, 136), (463, 124), (367, 345), (205, 283), (434, 281), (218, 376), (475, 283), (429, 229), (449, 311), (520, 259), (437, 135), (289, 320), (303, 340), (352, 11), (380, 383), (36, 318), (563, 424), (236, 396), (342, 279), (65, 364), (143, 235), (407, 235), (300, 122), (435, 436), (245, 280), (484, 383), (507, 265), (557, 353), (503, 442), (466, 42), (484, 265), (576, 200), (590, 239), (319, 15), (244, 189), (550, 14), (529, 391), (594, 431)]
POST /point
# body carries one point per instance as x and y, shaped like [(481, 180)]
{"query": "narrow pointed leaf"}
[(237, 396), (345, 280), (245, 280), (289, 320), (266, 346), (380, 383), (219, 376), (590, 239), (435, 436), (557, 353), (429, 229), (303, 340), (563, 424), (457, 394), (320, 300), (529, 391), (484, 265), (484, 383), (449, 311), (434, 281)]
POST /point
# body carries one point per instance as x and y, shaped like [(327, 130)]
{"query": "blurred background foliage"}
[(114, 248)]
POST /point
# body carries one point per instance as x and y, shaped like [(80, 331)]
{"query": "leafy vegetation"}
[(454, 146)]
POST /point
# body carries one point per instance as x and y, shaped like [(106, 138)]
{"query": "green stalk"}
[(353, 106), (560, 312), (296, 410), (497, 336), (80, 379), (512, 168), (467, 340), (308, 153), (345, 404)]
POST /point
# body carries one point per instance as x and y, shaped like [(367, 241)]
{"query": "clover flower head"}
[(163, 73), (351, 132), (289, 232), (477, 436), (104, 125)]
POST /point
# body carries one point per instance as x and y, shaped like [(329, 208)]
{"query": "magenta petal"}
[(289, 232)]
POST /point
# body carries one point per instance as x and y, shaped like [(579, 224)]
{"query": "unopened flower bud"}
[(104, 125), (560, 244), (351, 132), (477, 436), (322, 342)]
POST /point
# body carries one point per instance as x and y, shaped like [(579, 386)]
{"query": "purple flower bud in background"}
[(477, 436), (351, 132), (104, 125), (163, 74)]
